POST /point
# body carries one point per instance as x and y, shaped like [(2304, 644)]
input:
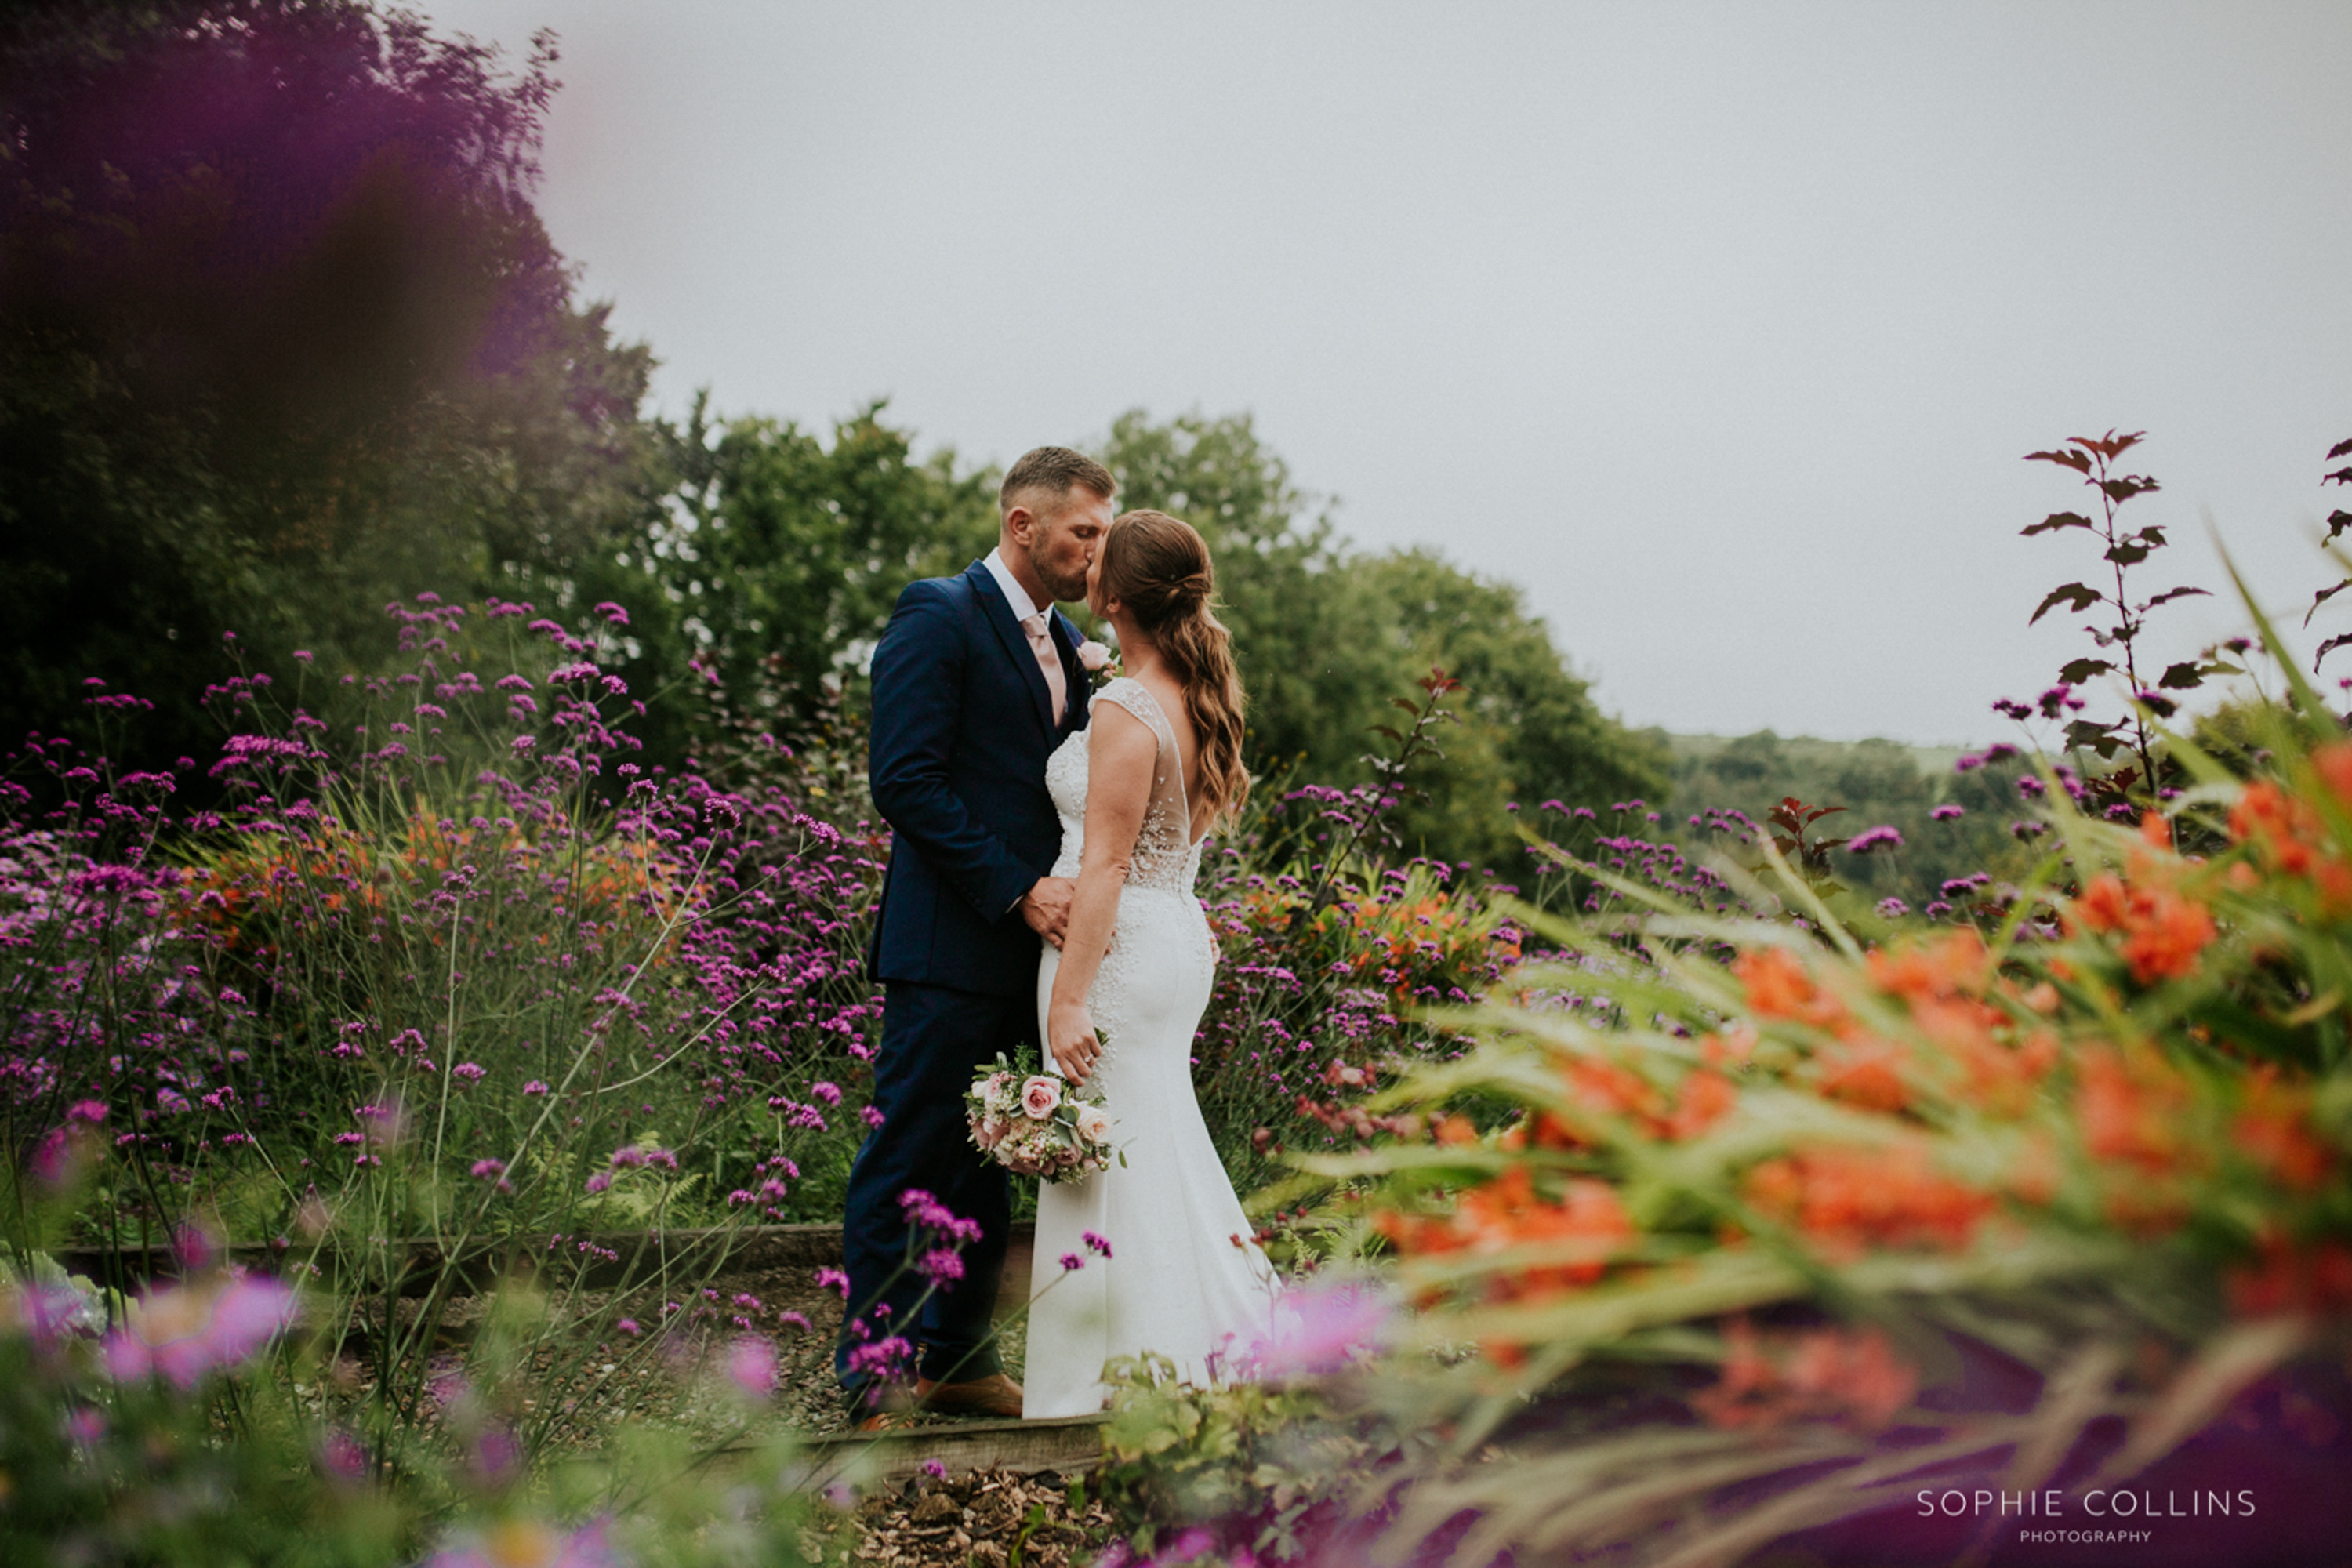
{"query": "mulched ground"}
[(990, 1519)]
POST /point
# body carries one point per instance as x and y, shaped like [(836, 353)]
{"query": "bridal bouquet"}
[(1034, 1124)]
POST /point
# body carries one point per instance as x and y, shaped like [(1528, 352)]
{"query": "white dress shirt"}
[(1014, 594)]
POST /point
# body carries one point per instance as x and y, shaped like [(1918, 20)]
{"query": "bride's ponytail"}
[(1158, 568)]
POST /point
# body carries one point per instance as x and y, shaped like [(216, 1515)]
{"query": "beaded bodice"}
[(1166, 856)]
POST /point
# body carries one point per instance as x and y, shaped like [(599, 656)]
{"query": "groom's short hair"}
[(1054, 469)]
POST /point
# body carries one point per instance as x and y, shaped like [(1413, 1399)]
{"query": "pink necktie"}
[(1041, 643)]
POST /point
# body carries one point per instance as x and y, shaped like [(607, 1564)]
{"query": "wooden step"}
[(1069, 1445)]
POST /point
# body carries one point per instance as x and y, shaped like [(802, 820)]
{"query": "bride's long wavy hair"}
[(1159, 569)]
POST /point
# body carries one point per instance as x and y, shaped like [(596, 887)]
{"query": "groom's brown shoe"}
[(996, 1394)]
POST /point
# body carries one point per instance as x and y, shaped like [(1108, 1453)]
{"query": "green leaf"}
[(2056, 520), (2080, 671), (2186, 676), (2074, 595)]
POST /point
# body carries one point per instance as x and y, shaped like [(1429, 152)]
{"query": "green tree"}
[(1529, 730), (1326, 636), (281, 337), (772, 564)]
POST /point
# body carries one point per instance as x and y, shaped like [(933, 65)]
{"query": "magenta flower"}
[(1871, 838), (1948, 812), (751, 1365), (183, 1332), (342, 1457), (1319, 1328)]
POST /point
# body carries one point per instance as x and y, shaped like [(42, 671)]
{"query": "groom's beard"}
[(1064, 588)]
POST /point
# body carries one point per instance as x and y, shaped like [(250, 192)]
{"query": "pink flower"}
[(1094, 655), (1317, 1328), (182, 1333), (1039, 1096), (751, 1363)]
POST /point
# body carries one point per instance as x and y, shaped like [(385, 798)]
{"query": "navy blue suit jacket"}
[(962, 726)]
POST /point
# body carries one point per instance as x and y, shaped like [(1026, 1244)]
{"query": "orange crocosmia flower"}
[(1508, 1212), (1776, 981), (1704, 1099), (1457, 1130), (2105, 904), (1832, 1373), (2283, 829), (2163, 944), (1867, 1072), (2164, 931), (1736, 1045), (1600, 1085), (2130, 1111), (1854, 1372), (1850, 1198), (2287, 1278), (2274, 1131), (1955, 964), (2332, 763), (2155, 829)]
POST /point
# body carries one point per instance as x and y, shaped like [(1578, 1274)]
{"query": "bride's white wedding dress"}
[(1174, 1280)]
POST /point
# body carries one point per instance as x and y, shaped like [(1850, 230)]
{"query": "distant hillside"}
[(1879, 783), (1933, 760)]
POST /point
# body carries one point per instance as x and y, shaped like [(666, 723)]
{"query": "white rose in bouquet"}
[(1093, 1125)]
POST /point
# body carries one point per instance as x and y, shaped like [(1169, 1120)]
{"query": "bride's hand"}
[(1070, 1035)]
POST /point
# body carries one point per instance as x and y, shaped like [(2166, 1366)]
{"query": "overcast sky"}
[(1718, 328)]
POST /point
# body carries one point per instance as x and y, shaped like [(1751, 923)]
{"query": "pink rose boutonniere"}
[(1100, 661)]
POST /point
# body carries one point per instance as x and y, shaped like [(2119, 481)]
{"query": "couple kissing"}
[(1039, 899)]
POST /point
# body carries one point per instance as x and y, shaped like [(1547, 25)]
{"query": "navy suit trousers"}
[(932, 1039)]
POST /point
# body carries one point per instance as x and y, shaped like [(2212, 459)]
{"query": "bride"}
[(1153, 1255)]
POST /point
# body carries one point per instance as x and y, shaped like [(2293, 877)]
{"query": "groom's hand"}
[(1047, 907)]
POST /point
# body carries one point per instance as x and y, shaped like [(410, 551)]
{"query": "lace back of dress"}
[(1163, 851)]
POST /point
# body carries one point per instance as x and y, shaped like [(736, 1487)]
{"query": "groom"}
[(976, 681)]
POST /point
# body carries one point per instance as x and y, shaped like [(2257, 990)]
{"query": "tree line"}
[(283, 339)]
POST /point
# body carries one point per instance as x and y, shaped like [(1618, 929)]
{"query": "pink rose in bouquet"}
[(1040, 1096)]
